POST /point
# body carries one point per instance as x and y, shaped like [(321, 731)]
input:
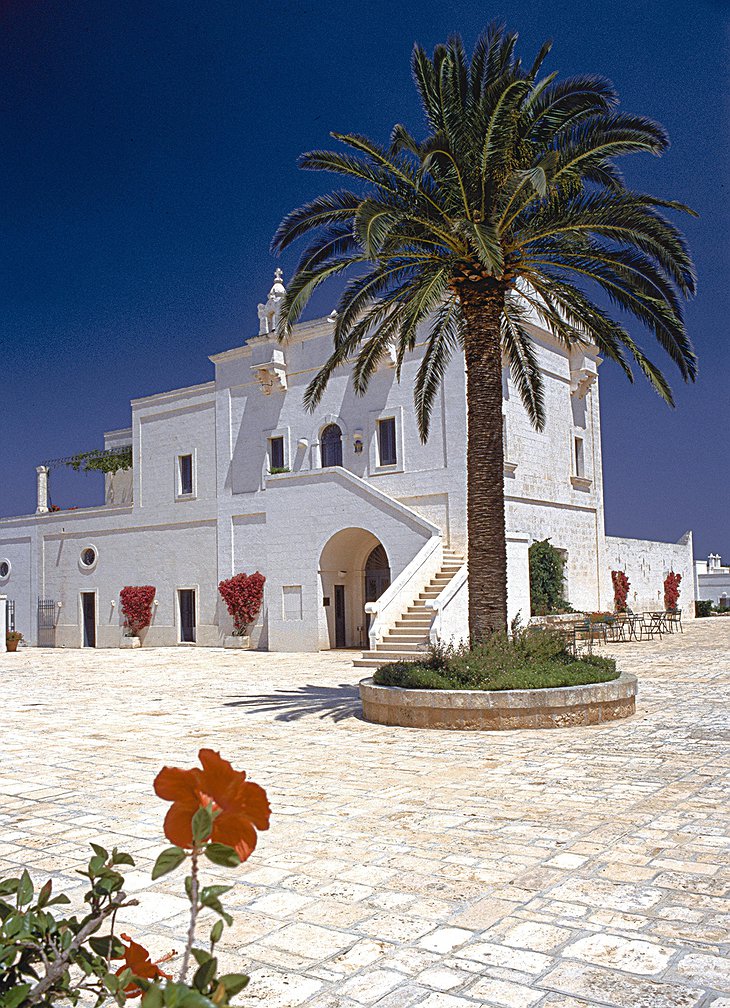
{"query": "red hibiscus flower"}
[(242, 806), (137, 958)]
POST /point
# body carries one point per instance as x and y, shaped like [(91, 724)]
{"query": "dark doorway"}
[(331, 446), (377, 578), (88, 614), (186, 598), (340, 618)]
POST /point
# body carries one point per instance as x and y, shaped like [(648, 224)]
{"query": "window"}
[(331, 446), (88, 556), (185, 467), (4, 570), (579, 457), (386, 441), (276, 453)]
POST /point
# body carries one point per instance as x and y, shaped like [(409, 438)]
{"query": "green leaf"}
[(15, 997), (222, 855), (61, 898), (167, 861), (100, 851), (152, 998), (203, 823), (233, 982), (205, 973), (213, 891), (216, 932), (200, 955), (108, 946), (8, 886), (45, 894), (121, 858), (25, 889)]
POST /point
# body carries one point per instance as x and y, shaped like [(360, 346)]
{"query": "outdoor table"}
[(653, 623)]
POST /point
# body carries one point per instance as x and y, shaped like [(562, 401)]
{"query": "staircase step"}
[(408, 633)]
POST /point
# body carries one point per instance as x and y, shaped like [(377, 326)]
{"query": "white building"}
[(359, 511), (713, 581)]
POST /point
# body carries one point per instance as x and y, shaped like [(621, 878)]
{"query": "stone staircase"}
[(409, 636)]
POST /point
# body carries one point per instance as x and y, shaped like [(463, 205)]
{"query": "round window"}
[(88, 556), (4, 569)]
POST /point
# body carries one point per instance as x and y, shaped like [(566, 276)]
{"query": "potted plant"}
[(137, 611), (243, 595), (12, 639)]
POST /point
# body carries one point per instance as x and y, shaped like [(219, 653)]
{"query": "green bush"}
[(530, 659), (547, 579), (703, 608)]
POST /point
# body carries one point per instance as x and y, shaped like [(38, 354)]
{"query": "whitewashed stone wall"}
[(646, 564)]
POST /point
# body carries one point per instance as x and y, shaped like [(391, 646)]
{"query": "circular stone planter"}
[(500, 710)]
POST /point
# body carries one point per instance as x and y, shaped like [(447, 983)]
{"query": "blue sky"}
[(150, 151)]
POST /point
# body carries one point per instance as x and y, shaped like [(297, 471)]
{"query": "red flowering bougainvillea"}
[(671, 590), (137, 607), (621, 585), (243, 595)]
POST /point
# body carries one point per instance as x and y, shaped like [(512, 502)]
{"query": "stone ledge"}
[(479, 710)]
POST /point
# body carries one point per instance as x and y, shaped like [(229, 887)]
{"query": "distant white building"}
[(713, 581), (359, 528)]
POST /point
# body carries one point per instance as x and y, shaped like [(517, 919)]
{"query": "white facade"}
[(713, 581), (183, 525)]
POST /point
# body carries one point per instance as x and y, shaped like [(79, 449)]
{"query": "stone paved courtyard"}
[(440, 869)]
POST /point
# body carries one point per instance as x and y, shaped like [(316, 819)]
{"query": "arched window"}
[(331, 446)]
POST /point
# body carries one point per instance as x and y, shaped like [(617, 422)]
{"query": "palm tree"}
[(511, 205)]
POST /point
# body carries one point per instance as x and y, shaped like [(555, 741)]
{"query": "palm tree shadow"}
[(334, 702)]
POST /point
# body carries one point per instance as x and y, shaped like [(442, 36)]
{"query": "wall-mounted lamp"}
[(155, 602), (303, 443), (113, 603), (59, 604), (357, 442), (342, 573)]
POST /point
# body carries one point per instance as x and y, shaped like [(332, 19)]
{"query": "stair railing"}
[(451, 608), (405, 589)]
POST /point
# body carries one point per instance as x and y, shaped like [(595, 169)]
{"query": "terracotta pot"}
[(12, 645)]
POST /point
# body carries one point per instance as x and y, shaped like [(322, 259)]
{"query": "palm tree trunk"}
[(487, 550)]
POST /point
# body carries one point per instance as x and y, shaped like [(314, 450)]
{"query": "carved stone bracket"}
[(581, 380), (271, 374)]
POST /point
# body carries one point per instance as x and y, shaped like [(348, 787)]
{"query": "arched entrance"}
[(377, 578), (353, 569), (331, 446)]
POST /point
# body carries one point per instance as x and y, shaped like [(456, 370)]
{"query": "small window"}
[(4, 570), (185, 464), (88, 556), (276, 453), (386, 441), (579, 458)]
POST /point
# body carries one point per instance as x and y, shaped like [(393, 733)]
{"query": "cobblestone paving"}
[(437, 869)]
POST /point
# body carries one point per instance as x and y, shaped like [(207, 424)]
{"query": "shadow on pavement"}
[(333, 702)]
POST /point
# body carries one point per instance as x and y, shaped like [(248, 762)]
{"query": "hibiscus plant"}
[(50, 956)]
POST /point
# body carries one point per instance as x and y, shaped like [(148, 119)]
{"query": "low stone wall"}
[(500, 710)]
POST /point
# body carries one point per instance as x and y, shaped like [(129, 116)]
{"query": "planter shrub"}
[(137, 607), (621, 585), (530, 659), (671, 590), (243, 595)]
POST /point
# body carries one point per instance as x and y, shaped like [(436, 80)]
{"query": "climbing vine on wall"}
[(547, 579), (109, 461)]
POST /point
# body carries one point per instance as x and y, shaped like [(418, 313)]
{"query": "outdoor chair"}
[(673, 621)]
